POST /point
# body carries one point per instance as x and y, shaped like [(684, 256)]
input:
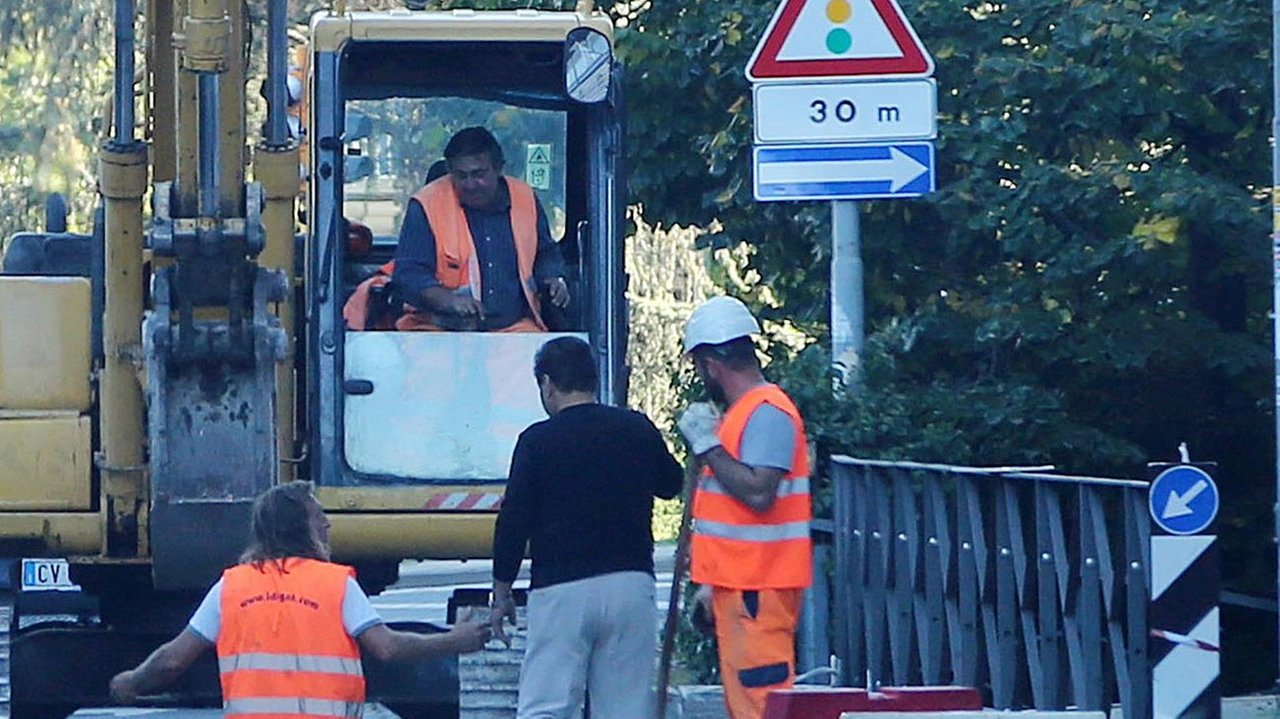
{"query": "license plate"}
[(47, 574)]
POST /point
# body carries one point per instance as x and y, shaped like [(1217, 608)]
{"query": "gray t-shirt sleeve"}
[(358, 613), (769, 439), (207, 619)]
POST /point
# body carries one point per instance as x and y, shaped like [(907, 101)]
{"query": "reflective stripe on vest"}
[(456, 249), (786, 487), (755, 532), (291, 662), (299, 706), (282, 640), (736, 547)]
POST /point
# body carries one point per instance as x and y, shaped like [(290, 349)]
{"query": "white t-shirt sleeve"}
[(207, 619), (358, 613)]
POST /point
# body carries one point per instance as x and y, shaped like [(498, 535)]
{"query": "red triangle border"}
[(764, 65)]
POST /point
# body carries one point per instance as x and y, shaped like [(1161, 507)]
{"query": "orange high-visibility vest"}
[(737, 547), (456, 249), (283, 652), (356, 309)]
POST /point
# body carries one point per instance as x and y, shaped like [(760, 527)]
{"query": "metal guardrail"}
[(1031, 586)]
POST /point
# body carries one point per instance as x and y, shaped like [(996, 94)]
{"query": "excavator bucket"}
[(212, 429)]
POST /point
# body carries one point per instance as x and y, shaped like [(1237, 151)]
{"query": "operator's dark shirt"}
[(581, 494), (503, 297)]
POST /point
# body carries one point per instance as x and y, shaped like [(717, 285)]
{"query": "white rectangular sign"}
[(846, 111)]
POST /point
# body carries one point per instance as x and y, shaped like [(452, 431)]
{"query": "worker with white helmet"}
[(750, 547)]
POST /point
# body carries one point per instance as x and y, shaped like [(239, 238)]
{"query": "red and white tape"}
[(476, 501)]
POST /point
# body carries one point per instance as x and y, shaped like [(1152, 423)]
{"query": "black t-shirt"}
[(581, 495)]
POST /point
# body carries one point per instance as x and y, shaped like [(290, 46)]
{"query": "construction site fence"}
[(1028, 585)]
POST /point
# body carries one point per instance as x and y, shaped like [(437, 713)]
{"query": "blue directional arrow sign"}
[(1183, 500), (843, 172)]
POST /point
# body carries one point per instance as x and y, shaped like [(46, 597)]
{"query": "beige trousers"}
[(594, 636)]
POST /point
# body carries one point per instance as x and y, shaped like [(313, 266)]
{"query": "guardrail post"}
[(904, 558), (1089, 610), (813, 644), (1048, 563)]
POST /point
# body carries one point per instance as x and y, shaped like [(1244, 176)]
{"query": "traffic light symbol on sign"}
[(839, 39)]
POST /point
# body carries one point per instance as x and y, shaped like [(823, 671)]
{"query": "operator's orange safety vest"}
[(356, 309), (736, 547), (456, 267), (282, 649)]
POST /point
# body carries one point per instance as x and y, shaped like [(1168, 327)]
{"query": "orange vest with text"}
[(282, 649), (456, 249), (736, 547)]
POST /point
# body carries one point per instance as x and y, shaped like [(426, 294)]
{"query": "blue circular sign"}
[(1183, 500)]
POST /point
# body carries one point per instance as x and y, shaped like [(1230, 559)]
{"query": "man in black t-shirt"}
[(581, 496)]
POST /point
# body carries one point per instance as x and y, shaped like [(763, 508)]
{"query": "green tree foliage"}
[(1098, 236), (54, 89), (1089, 285)]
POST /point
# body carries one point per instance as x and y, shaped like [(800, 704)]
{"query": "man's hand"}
[(124, 688), (454, 308), (559, 291), (698, 424), (469, 635), (464, 306), (703, 613), (503, 607)]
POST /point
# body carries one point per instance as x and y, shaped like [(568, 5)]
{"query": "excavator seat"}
[(49, 253)]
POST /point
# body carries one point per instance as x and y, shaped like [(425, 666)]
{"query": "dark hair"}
[(569, 363), (281, 525), (738, 353), (438, 169), (473, 141)]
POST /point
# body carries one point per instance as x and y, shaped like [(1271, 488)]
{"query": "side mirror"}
[(588, 65)]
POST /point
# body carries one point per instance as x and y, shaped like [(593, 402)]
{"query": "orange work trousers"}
[(756, 634)]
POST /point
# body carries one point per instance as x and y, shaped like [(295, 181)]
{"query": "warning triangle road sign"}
[(830, 39)]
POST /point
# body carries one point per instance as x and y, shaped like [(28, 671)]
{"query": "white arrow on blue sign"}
[(842, 172), (1183, 500)]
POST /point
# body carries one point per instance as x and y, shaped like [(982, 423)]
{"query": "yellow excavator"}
[(158, 373)]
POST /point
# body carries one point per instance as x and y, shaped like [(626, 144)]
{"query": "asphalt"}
[(448, 572)]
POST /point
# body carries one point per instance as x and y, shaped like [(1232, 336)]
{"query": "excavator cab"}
[(413, 422)]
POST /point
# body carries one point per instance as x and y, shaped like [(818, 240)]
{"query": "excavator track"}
[(6, 630)]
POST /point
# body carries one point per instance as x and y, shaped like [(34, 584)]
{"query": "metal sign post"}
[(1275, 253), (844, 110), (847, 314), (1183, 643)]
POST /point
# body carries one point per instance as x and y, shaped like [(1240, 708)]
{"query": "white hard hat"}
[(719, 320)]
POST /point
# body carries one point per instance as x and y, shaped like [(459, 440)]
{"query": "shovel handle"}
[(677, 579)]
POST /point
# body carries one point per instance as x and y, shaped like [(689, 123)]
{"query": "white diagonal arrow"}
[(1176, 505), (899, 169)]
